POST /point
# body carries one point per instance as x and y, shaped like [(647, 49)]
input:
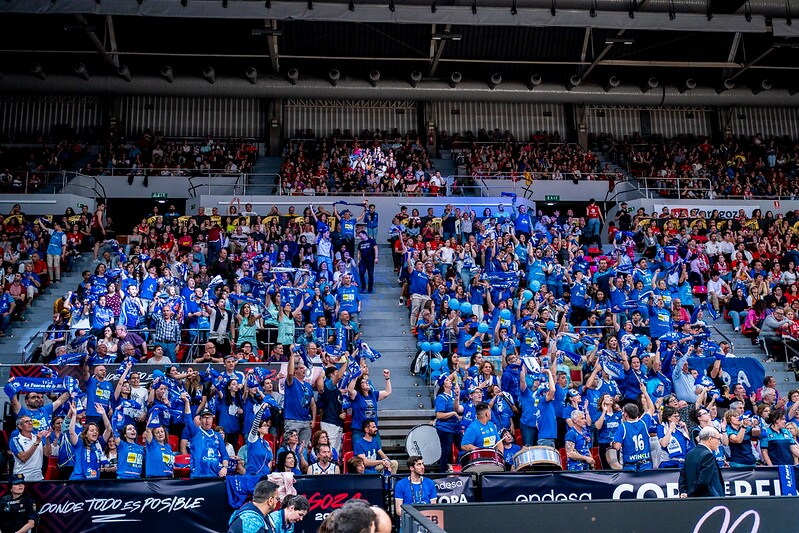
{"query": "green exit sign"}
[(552, 198), (159, 196)]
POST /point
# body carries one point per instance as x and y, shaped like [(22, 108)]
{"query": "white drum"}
[(423, 440)]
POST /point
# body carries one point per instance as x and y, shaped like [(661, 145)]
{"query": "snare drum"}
[(536, 458), (482, 460), (423, 441)]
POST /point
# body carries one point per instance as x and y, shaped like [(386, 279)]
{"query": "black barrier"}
[(328, 493), (130, 506), (617, 485), (699, 515), (170, 505)]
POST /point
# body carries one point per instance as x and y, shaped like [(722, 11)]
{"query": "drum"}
[(536, 458), (482, 460), (423, 441)]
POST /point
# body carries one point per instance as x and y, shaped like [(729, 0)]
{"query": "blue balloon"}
[(466, 308), (551, 325), (435, 364), (496, 351), (527, 295), (535, 286), (426, 346), (434, 375), (644, 341), (437, 347), (506, 314), (454, 304), (482, 327)]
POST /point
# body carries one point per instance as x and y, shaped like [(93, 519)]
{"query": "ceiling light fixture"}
[(554, 8), (631, 11), (748, 11), (184, 3), (433, 7), (268, 4), (592, 11), (224, 3), (620, 40), (351, 7), (513, 10), (391, 6), (709, 10), (310, 5), (446, 36), (474, 8), (672, 10)]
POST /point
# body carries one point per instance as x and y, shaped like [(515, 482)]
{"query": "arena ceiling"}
[(709, 41)]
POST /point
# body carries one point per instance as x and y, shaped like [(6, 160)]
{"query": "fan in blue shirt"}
[(415, 488), (482, 433), (209, 457), (159, 459), (89, 444), (130, 454), (632, 436), (578, 444)]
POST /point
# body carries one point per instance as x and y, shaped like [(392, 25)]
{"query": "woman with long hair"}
[(448, 412), (89, 444), (248, 324), (606, 424)]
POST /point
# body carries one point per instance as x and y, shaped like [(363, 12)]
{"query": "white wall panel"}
[(521, 119), (680, 121), (768, 121), (326, 116), (617, 121), (31, 114)]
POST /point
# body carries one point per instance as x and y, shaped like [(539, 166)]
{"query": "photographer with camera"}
[(741, 429)]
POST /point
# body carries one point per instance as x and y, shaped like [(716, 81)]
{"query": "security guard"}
[(18, 511)]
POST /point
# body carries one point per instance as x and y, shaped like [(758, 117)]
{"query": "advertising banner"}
[(328, 493)]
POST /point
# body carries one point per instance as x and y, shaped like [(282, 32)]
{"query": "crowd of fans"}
[(26, 168), (282, 288), (694, 167), (535, 335), (378, 163), (543, 156), (153, 154)]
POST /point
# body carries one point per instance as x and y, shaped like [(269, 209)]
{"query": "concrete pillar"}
[(274, 123)]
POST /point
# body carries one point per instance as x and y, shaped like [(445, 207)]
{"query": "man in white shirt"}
[(28, 450), (715, 293), (324, 465)]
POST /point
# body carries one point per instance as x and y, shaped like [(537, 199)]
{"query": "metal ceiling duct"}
[(334, 75), (416, 77), (535, 81), (468, 91), (455, 79), (252, 75), (209, 74), (574, 81), (293, 75)]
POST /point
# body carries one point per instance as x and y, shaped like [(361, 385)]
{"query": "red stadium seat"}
[(454, 455), (182, 466), (271, 439), (576, 376), (597, 459), (348, 423), (346, 444), (52, 469), (517, 435), (174, 442), (346, 457), (563, 458)]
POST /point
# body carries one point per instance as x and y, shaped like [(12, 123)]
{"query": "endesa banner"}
[(129, 506), (618, 485)]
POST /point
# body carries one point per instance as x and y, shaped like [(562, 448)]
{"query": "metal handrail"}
[(649, 191), (97, 188), (165, 171), (536, 175), (415, 522)]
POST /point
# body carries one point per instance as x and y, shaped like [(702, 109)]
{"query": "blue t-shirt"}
[(40, 417), (259, 455), (368, 450), (634, 439), (364, 408), (609, 427), (348, 298), (678, 445), (97, 392), (410, 493), (159, 459), (582, 445), (207, 451), (418, 284), (741, 453), (130, 460), (481, 435), (778, 445), (547, 422), (298, 400), (88, 460), (529, 416), (445, 403)]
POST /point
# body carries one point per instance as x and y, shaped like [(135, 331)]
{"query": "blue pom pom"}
[(496, 351), (454, 304), (506, 314), (435, 364), (535, 286), (437, 347), (482, 327), (466, 308), (426, 346), (551, 325), (527, 295)]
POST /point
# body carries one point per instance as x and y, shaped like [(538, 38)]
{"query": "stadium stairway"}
[(40, 313), (385, 328), (262, 178)]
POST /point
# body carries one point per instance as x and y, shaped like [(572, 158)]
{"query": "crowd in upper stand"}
[(379, 162), (739, 167)]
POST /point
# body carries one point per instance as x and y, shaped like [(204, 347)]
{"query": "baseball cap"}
[(572, 393), (16, 479), (206, 412), (441, 379)]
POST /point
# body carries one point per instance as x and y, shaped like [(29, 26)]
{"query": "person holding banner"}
[(414, 489), (89, 456)]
